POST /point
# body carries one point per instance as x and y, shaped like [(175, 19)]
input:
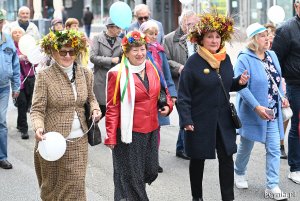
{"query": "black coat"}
[(202, 103)]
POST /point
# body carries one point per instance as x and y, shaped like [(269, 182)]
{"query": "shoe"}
[(197, 199), (5, 164), (276, 194), (282, 152), (240, 181), (295, 177), (160, 169), (182, 155), (24, 136)]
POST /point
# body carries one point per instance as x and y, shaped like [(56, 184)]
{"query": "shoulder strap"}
[(221, 81)]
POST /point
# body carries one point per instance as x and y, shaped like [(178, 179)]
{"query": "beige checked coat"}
[(53, 108)]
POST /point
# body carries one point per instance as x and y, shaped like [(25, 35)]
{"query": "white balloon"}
[(26, 44), (35, 56), (276, 14), (186, 1), (53, 147)]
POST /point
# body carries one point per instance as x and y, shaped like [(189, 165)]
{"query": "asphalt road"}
[(20, 183)]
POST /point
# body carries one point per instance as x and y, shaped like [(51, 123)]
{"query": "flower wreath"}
[(134, 38), (69, 38), (210, 22)]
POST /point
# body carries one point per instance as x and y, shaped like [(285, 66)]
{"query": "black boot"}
[(282, 152)]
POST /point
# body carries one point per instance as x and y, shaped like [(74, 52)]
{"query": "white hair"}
[(148, 25), (16, 29), (23, 8), (140, 7), (186, 14)]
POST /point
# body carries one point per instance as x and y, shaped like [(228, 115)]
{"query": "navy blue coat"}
[(202, 103)]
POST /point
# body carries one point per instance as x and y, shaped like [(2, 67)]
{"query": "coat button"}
[(206, 71)]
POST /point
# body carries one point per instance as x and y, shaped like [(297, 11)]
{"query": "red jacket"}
[(145, 117)]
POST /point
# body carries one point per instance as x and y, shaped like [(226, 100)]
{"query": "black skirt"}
[(135, 164)]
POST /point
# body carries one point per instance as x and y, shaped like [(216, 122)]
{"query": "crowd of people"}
[(137, 79)]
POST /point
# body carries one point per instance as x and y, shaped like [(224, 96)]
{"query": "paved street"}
[(20, 184)]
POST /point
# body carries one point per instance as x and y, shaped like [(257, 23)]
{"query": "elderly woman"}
[(260, 108), (133, 89), (205, 83), (58, 105), (27, 84), (158, 56), (105, 54)]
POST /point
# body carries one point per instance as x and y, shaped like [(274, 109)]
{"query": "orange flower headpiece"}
[(210, 22), (134, 38)]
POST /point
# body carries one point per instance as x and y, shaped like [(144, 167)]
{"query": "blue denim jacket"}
[(9, 63)]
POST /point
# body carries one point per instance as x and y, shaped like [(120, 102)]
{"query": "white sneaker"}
[(295, 177), (240, 181), (276, 194)]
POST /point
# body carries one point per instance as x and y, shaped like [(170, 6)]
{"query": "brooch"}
[(206, 71)]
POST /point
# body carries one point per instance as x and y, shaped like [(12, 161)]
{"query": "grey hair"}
[(22, 8), (185, 14), (140, 7)]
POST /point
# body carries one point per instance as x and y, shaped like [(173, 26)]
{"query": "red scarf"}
[(155, 48)]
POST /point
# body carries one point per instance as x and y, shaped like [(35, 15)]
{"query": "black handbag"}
[(94, 134), (162, 101), (235, 118)]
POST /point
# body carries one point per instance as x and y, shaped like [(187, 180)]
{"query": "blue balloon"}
[(121, 14)]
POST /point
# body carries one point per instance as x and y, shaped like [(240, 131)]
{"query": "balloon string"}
[(84, 133)]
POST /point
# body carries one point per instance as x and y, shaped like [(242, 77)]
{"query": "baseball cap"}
[(109, 22), (254, 29)]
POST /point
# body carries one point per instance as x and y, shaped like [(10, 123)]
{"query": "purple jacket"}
[(25, 65)]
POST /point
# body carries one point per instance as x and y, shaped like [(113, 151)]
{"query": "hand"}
[(164, 111), (115, 60), (96, 115), (174, 100), (285, 103), (39, 134), (15, 94), (111, 146), (244, 78), (261, 111), (189, 128), (23, 57), (180, 69)]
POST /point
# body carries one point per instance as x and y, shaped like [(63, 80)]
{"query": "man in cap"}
[(9, 75), (286, 44)]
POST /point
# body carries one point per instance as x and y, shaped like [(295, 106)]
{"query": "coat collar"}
[(102, 39)]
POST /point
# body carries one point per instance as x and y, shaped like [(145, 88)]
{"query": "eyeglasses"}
[(64, 53), (145, 18)]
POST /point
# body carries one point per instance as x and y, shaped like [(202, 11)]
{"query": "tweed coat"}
[(53, 108), (101, 55), (202, 103), (176, 51)]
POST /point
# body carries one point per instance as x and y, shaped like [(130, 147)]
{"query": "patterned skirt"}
[(64, 179), (135, 164)]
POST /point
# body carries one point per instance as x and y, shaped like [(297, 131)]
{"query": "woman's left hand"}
[(96, 115), (164, 111), (285, 102), (244, 78)]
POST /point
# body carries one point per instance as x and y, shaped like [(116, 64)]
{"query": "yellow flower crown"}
[(67, 38), (211, 22)]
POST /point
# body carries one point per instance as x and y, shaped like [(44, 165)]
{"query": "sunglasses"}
[(141, 18), (64, 53)]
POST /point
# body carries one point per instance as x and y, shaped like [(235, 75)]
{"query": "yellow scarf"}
[(214, 60)]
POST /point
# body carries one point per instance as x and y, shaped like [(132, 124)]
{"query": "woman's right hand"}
[(261, 111), (111, 146), (39, 134), (189, 128)]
